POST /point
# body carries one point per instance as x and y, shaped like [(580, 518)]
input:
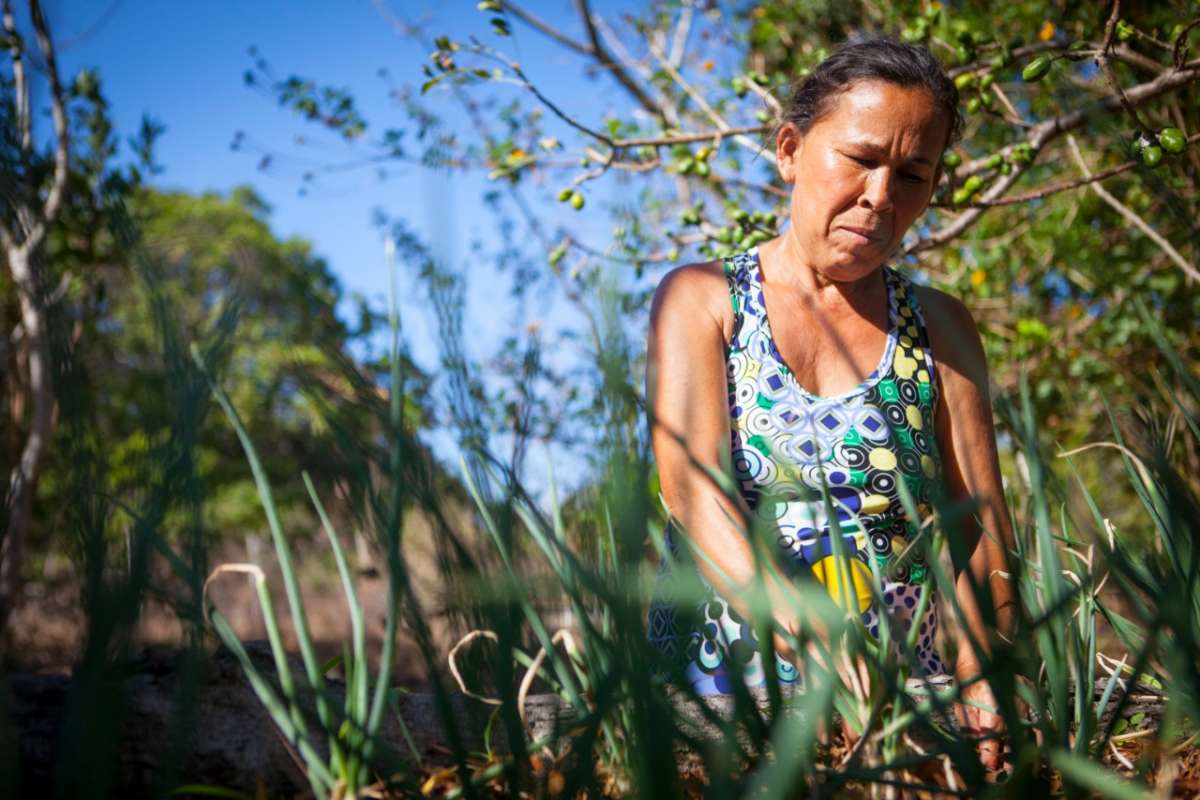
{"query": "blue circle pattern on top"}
[(786, 443)]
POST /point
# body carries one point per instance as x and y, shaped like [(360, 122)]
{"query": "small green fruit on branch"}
[(1038, 68), (1172, 140)]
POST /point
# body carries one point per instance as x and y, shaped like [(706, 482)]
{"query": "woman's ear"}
[(787, 147)]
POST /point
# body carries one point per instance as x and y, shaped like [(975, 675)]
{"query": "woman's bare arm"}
[(690, 322), (971, 467)]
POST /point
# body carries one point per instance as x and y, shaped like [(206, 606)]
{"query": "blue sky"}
[(183, 64)]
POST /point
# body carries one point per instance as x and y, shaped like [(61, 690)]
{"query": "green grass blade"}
[(1089, 775), (358, 690), (320, 777)]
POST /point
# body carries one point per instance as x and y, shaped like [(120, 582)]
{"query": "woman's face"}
[(861, 176)]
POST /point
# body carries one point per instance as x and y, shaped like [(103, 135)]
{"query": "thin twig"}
[(1132, 216), (539, 24), (685, 138), (682, 30), (1125, 762), (1101, 60), (768, 98), (609, 63), (1179, 53), (708, 110), (1013, 116)]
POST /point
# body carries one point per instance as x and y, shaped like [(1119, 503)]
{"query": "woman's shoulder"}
[(690, 289), (945, 314), (953, 336)]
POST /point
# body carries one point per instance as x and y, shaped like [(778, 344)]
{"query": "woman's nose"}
[(877, 193)]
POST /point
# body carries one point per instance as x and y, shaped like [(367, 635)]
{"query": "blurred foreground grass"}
[(1083, 583), (628, 729)]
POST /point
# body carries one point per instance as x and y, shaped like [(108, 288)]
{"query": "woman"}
[(808, 362)]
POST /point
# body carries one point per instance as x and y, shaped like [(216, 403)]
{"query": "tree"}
[(291, 358), (34, 189), (102, 272), (1070, 204)]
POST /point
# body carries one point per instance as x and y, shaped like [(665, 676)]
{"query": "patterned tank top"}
[(786, 445)]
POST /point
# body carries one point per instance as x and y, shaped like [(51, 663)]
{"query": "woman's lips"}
[(861, 234)]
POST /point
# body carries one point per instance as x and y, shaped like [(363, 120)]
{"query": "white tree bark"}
[(18, 501), (21, 235)]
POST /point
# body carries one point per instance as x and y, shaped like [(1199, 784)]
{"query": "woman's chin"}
[(848, 267)]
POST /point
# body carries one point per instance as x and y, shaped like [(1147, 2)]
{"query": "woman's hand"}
[(979, 722)]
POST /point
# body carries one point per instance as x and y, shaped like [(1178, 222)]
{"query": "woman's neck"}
[(788, 266)]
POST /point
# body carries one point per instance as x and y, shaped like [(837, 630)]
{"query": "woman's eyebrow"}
[(882, 152)]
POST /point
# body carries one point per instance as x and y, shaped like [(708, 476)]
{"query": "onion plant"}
[(630, 712)]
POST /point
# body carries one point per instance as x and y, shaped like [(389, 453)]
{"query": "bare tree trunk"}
[(21, 235), (18, 502)]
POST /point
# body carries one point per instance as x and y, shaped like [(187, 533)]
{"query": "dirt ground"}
[(46, 630)]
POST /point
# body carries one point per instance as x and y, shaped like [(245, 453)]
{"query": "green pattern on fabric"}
[(789, 448)]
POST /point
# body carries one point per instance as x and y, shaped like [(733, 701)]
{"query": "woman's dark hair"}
[(872, 59)]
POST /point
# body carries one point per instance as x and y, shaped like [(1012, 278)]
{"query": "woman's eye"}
[(871, 163)]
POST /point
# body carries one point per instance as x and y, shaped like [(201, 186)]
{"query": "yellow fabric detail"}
[(882, 458), (904, 366), (928, 467), (830, 573), (874, 504), (914, 417)]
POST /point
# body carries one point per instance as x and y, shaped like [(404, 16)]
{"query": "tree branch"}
[(539, 24), (1106, 69), (1061, 186), (20, 84), (607, 61), (58, 111), (1133, 58), (679, 41), (558, 112), (686, 138), (1045, 132), (1130, 215), (626, 59), (1179, 52), (708, 110)]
